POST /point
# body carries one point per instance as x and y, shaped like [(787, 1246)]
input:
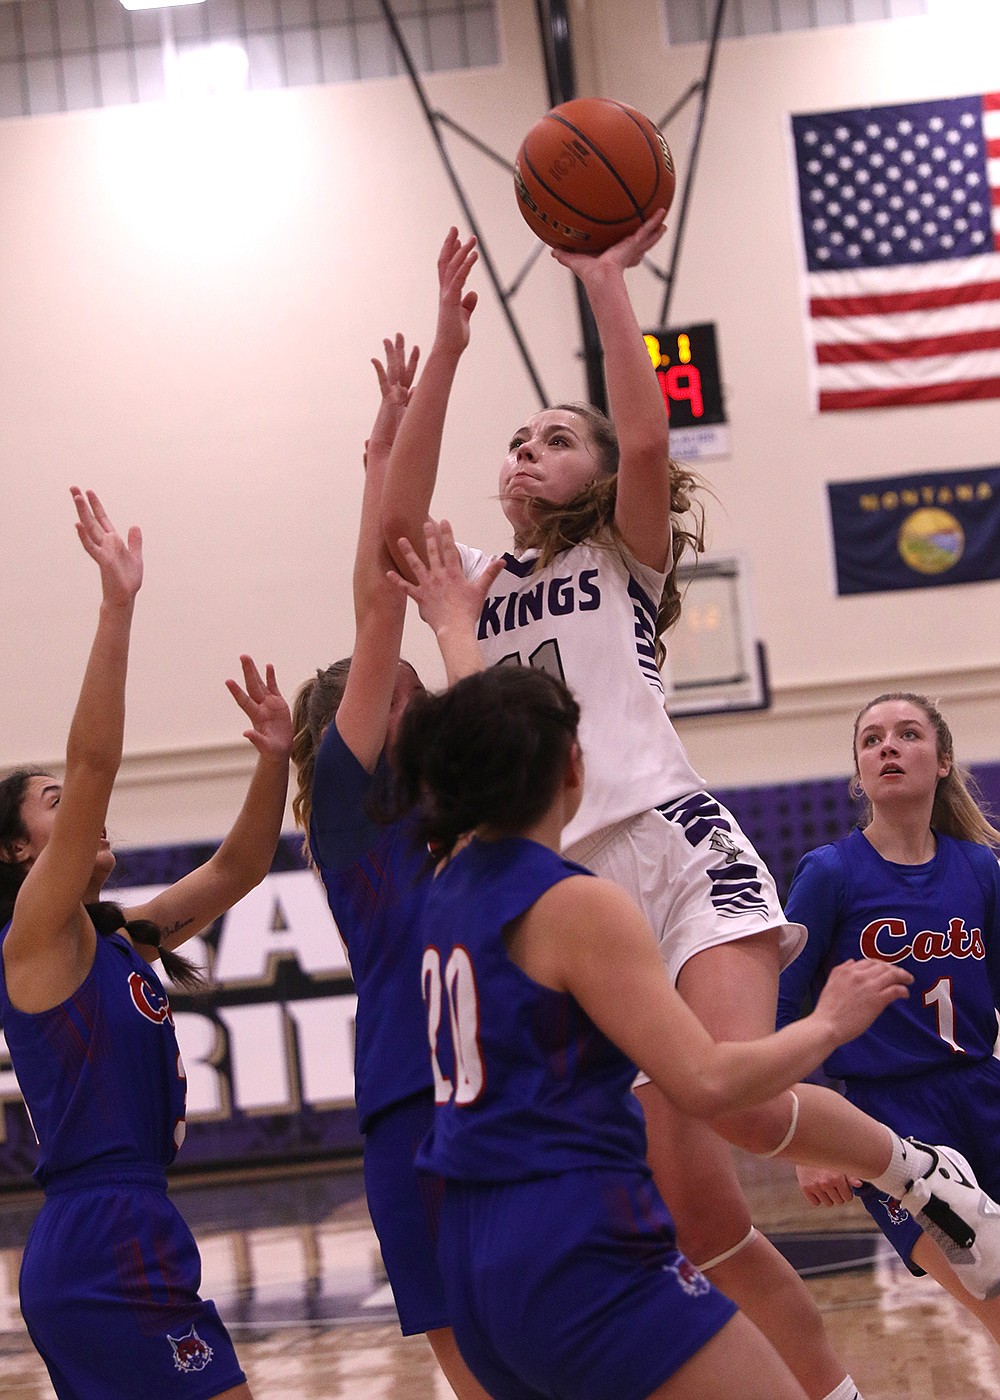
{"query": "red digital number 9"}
[(682, 382)]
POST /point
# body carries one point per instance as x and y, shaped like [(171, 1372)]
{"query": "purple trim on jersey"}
[(645, 632), (735, 885), (938, 920), (511, 611), (376, 879), (521, 567), (540, 1089)]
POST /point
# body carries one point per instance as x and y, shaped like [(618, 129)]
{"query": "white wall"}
[(191, 294), (740, 269)]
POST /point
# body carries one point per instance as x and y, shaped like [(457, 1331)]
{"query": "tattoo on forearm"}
[(176, 928)]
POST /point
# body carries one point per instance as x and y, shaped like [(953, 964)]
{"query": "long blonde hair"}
[(959, 808), (590, 515)]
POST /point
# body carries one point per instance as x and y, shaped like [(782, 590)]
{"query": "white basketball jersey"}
[(590, 619)]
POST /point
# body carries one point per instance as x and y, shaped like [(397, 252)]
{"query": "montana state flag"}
[(916, 531)]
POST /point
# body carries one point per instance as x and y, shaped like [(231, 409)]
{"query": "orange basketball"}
[(590, 172)]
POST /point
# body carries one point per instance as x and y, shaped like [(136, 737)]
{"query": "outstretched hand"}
[(447, 600), (627, 252), (395, 377), (120, 561), (266, 708), (455, 304), (395, 382)]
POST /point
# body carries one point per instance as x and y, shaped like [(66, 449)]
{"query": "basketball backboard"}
[(715, 661)]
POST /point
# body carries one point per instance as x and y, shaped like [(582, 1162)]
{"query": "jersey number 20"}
[(458, 985)]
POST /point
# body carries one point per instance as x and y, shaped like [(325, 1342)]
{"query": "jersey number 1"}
[(939, 996)]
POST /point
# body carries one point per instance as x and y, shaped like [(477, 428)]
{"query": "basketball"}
[(590, 172)]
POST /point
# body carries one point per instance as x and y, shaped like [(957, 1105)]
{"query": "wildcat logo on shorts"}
[(190, 1352), (723, 842), (896, 1212), (690, 1279)]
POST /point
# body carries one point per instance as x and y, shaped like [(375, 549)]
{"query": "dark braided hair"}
[(491, 750), (12, 793), (106, 917)]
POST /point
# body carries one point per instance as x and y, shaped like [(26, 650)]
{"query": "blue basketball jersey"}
[(938, 920), (101, 1073), (526, 1085), (376, 879)]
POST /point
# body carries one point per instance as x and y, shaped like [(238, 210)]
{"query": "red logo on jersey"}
[(887, 940), (148, 1001)]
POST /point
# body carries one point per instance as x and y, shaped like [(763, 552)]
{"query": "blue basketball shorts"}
[(959, 1107), (109, 1293), (404, 1205), (572, 1285)]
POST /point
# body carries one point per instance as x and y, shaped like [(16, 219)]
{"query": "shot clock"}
[(687, 368)]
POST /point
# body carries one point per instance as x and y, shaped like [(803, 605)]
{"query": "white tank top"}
[(590, 618)]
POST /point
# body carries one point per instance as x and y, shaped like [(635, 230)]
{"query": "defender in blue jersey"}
[(376, 878), (916, 886), (543, 989), (110, 1273)]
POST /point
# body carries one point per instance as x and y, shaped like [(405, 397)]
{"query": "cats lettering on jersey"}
[(889, 941)]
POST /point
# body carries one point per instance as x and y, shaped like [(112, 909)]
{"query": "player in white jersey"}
[(604, 513)]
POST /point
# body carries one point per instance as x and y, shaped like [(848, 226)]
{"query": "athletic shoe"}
[(954, 1210)]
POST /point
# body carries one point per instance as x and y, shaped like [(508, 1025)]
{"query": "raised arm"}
[(245, 856), (642, 511), (588, 938), (379, 609), (371, 559), (51, 941), (413, 462)]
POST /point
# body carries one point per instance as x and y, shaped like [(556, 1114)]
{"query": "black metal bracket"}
[(700, 89), (433, 119), (553, 21), (553, 24)]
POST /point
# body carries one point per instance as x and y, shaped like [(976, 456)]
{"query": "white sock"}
[(908, 1163), (846, 1390)]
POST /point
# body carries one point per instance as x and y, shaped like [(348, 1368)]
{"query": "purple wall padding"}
[(783, 821)]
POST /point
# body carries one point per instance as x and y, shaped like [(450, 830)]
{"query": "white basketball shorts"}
[(695, 876)]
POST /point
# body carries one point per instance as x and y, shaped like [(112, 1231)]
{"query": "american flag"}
[(900, 212)]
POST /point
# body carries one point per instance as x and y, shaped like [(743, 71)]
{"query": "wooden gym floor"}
[(294, 1267)]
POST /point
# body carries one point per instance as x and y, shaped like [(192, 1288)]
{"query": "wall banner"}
[(269, 1049), (916, 531)]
